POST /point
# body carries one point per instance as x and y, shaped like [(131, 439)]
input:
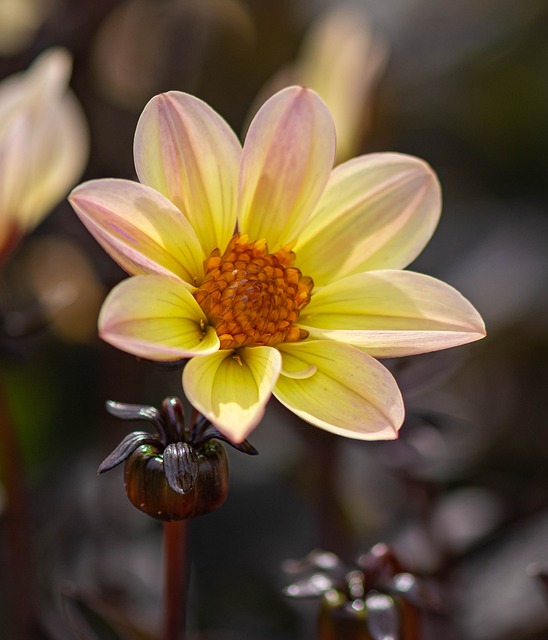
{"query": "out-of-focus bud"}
[(177, 473), (338, 618), (43, 144), (342, 60), (375, 599)]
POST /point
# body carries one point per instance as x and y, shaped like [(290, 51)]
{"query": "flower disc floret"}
[(251, 297)]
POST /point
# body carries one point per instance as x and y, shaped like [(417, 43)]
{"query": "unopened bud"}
[(201, 489)]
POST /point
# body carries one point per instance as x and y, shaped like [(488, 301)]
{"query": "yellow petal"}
[(141, 229), (157, 318), (288, 155), (232, 388), (393, 313), (187, 152), (378, 211), (292, 367), (350, 394)]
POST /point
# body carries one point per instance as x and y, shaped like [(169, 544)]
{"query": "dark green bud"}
[(178, 472), (198, 486)]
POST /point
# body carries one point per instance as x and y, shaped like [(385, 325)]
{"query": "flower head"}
[(43, 144), (268, 270)]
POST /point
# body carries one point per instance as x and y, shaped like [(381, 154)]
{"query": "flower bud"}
[(338, 618), (195, 481), (371, 600), (177, 473)]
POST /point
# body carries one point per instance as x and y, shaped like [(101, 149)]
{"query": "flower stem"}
[(17, 530), (333, 529), (175, 579)]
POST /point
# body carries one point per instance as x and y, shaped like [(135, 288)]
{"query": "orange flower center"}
[(252, 297)]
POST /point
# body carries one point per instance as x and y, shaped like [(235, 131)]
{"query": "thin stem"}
[(175, 579), (333, 529), (17, 530)]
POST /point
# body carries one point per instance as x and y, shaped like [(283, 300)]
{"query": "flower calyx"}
[(178, 472)]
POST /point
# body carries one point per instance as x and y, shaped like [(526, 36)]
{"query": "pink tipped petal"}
[(141, 229), (288, 155), (378, 212), (187, 152), (157, 318), (232, 389), (43, 139), (13, 143), (55, 158), (350, 393), (393, 313)]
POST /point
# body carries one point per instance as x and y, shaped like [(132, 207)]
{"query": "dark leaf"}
[(128, 445), (135, 412), (210, 432), (180, 466), (418, 592), (86, 622), (382, 617), (312, 587), (316, 559)]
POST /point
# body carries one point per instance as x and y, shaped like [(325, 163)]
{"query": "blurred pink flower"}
[(342, 59), (43, 144)]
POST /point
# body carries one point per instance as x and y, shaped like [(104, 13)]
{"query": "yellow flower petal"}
[(187, 152), (378, 211), (393, 313), (288, 155), (156, 318), (293, 367), (350, 394), (232, 388), (141, 229)]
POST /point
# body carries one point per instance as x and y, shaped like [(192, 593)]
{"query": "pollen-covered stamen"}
[(252, 297)]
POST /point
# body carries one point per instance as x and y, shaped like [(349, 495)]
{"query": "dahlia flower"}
[(268, 271)]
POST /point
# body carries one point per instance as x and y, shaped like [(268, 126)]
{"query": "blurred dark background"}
[(462, 496)]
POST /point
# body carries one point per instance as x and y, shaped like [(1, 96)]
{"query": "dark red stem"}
[(175, 579)]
